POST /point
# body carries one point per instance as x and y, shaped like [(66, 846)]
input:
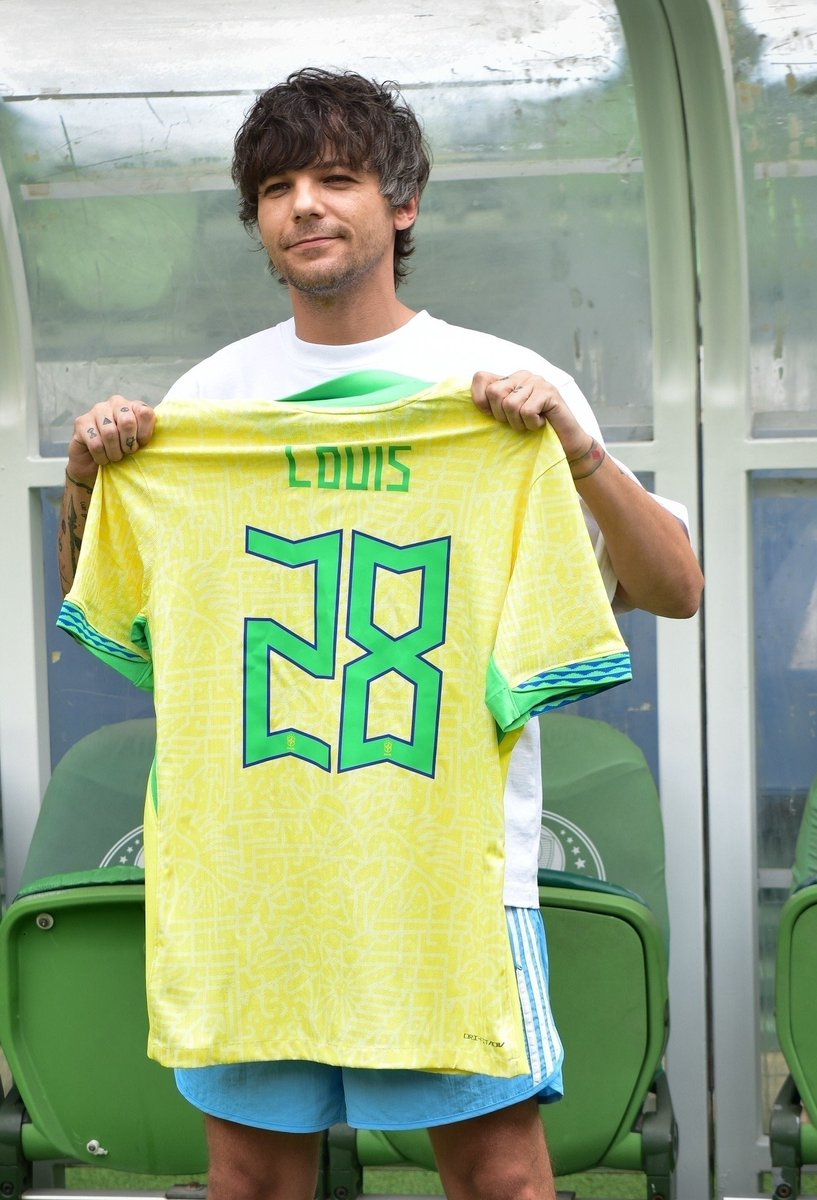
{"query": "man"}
[(330, 168)]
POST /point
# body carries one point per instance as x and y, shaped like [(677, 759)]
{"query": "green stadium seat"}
[(793, 1120), (73, 1019), (608, 933)]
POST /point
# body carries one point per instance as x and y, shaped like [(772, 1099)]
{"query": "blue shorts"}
[(305, 1097)]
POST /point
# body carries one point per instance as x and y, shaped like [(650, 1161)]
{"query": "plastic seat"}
[(607, 926), (793, 1122), (73, 1019)]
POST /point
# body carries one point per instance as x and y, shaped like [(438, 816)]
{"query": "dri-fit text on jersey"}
[(353, 468)]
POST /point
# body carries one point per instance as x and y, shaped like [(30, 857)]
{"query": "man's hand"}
[(648, 546), (111, 430), (526, 401)]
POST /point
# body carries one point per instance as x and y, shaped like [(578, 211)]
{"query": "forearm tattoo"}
[(72, 527)]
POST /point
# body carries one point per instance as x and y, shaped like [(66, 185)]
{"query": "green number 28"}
[(360, 743)]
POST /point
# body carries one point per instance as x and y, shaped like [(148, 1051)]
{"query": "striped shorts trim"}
[(304, 1097), (529, 949)]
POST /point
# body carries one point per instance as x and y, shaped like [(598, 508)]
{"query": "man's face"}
[(327, 228)]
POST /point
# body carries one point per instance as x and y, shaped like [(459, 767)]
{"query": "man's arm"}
[(73, 514), (648, 546), (106, 434)]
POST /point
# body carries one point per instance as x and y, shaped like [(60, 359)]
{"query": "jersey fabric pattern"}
[(338, 611), (275, 362)]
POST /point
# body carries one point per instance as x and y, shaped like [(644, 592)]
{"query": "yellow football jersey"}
[(342, 613)]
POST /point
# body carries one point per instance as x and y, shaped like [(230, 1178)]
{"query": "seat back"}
[(601, 813), (73, 1015), (92, 810), (73, 1025), (601, 820), (796, 970), (795, 991), (805, 852), (793, 1116), (610, 1002)]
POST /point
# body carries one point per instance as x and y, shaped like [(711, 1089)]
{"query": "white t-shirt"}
[(275, 363)]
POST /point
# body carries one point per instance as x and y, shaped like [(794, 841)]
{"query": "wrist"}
[(586, 464), (80, 481)]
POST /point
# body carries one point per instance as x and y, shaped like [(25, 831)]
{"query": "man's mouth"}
[(313, 239)]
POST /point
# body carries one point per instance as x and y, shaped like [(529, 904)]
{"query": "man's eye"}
[(272, 189)]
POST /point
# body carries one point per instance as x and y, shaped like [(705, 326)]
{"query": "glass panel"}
[(784, 522), (529, 197), (83, 693), (631, 707), (776, 79), (127, 222)]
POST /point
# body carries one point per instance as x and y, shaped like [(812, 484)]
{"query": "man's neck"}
[(344, 321)]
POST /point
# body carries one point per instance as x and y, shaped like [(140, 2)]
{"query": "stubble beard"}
[(334, 282)]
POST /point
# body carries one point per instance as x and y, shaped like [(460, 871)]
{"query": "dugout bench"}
[(73, 1021)]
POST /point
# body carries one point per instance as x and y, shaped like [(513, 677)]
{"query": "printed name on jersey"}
[(352, 468)]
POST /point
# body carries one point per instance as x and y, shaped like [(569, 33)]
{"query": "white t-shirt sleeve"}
[(186, 387)]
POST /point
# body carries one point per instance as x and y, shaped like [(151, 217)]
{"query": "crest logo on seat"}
[(566, 847), (129, 851)]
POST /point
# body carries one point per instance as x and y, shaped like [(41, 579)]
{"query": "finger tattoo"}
[(91, 432)]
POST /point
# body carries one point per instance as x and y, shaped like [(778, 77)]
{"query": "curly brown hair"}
[(366, 124)]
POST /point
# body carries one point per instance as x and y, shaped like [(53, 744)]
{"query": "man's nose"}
[(306, 198)]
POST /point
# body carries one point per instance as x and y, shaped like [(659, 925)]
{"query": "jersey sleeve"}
[(557, 639), (104, 609)]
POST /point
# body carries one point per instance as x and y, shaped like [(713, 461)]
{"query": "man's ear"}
[(406, 214)]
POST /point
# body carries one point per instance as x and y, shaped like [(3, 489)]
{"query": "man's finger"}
[(145, 423)]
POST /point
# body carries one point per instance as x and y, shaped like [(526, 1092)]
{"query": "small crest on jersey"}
[(566, 847), (129, 851)]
